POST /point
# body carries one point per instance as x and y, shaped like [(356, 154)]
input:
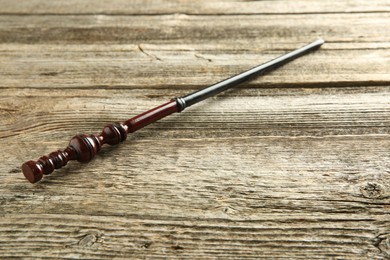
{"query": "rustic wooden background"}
[(294, 164)]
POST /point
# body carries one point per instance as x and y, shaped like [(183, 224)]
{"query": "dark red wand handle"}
[(83, 147)]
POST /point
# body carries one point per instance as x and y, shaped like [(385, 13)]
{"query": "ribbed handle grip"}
[(83, 147)]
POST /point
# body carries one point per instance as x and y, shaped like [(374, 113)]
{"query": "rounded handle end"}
[(32, 171), (81, 148)]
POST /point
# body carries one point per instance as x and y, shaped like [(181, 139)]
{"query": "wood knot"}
[(15, 170), (382, 242), (146, 245), (88, 240), (372, 190), (177, 247), (50, 73)]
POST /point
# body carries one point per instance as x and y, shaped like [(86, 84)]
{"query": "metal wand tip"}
[(320, 41)]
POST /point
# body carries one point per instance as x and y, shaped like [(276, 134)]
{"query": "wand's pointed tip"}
[(320, 41)]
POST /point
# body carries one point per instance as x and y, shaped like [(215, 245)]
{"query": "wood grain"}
[(200, 29), (160, 7), (294, 164), (96, 66)]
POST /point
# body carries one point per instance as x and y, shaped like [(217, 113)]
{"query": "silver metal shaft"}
[(212, 90)]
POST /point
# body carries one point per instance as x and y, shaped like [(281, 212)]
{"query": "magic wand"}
[(84, 147)]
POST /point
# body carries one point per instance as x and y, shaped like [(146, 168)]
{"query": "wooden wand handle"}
[(83, 147)]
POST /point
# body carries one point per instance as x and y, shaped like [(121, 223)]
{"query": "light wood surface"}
[(294, 164)]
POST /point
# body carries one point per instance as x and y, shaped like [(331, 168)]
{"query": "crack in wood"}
[(382, 242), (202, 57), (154, 57)]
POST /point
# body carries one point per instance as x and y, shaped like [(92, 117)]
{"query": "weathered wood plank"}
[(240, 112), (137, 7), (185, 66), (234, 178), (184, 29), (107, 237), (177, 56)]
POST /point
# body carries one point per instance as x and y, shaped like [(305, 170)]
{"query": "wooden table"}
[(293, 164)]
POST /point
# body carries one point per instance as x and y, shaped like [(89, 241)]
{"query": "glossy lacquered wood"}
[(150, 116), (84, 147)]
